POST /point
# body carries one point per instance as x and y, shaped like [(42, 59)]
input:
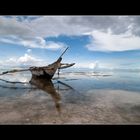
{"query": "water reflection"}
[(83, 99), (35, 83), (47, 86)]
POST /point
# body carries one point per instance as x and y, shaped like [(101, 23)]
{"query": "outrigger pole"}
[(13, 71)]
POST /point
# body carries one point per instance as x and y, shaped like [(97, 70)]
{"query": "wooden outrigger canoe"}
[(45, 71)]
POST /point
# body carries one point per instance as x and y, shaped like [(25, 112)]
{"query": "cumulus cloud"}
[(25, 60), (106, 41)]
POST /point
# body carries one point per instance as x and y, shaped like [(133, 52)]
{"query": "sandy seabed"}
[(95, 107)]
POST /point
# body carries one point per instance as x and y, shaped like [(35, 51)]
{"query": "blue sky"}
[(94, 41)]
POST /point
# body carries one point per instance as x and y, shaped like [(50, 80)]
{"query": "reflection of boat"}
[(45, 71), (47, 86)]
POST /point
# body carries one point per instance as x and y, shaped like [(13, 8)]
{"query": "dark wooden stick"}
[(13, 71)]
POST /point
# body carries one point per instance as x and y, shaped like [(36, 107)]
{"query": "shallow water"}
[(74, 98)]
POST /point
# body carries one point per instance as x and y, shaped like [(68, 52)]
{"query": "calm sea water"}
[(74, 97)]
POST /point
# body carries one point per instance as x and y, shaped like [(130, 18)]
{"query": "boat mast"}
[(64, 52), (59, 59)]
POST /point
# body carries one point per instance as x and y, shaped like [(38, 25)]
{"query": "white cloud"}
[(54, 46), (110, 33), (94, 65), (25, 60), (10, 26), (25, 33), (37, 42), (90, 65), (77, 25), (45, 26), (101, 41), (57, 25)]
